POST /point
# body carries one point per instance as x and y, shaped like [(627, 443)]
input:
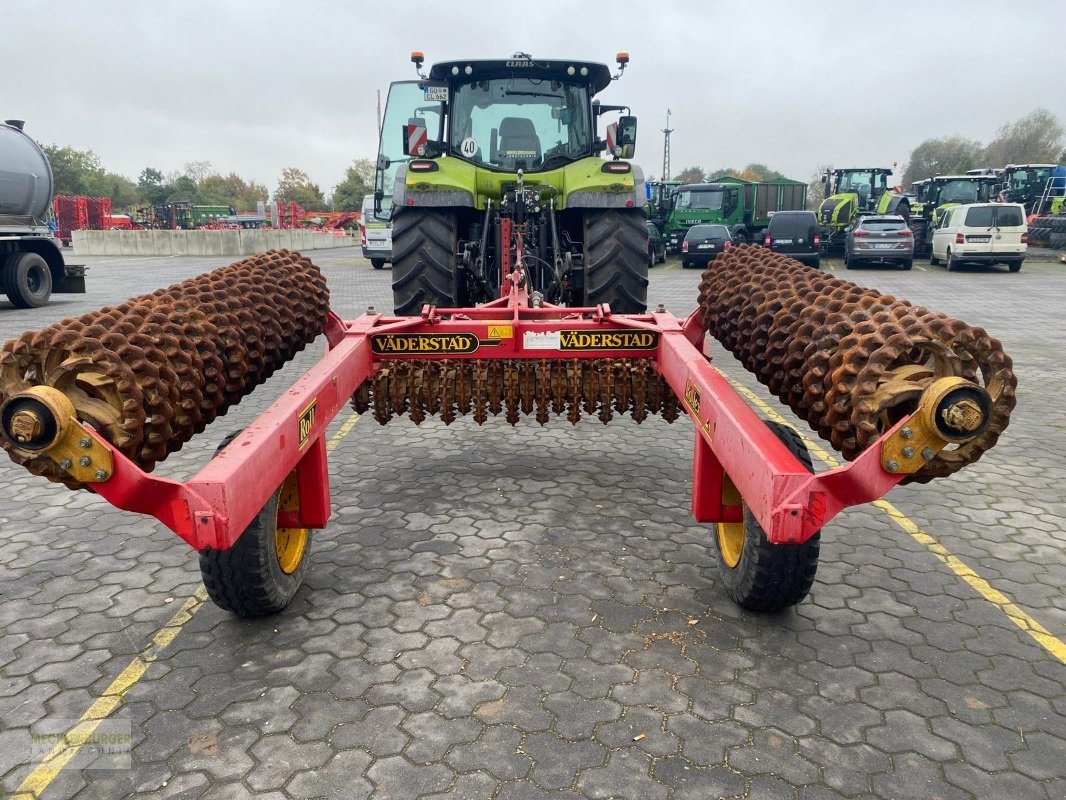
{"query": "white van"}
[(981, 233), (376, 235)]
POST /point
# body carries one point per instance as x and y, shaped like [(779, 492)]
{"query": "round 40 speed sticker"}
[(468, 147)]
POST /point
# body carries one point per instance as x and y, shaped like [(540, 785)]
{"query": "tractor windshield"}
[(959, 191), (520, 123), (1029, 178), (852, 181), (710, 200)]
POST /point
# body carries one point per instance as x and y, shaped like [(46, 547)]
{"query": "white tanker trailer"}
[(31, 261)]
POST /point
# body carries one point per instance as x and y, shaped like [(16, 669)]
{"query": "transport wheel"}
[(616, 262), (260, 573), (424, 265), (27, 280), (377, 263), (758, 575)]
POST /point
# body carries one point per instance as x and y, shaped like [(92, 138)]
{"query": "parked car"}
[(981, 233), (796, 234), (656, 245), (702, 243), (879, 239)]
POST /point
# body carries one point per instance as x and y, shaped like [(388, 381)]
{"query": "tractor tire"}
[(377, 263), (261, 573), (616, 260), (26, 279), (758, 575), (424, 263)]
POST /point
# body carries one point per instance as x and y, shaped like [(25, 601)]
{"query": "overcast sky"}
[(254, 87)]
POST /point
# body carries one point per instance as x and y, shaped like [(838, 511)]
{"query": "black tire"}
[(770, 577), (616, 266), (739, 239), (933, 260), (424, 264), (1014, 266), (27, 280), (248, 579), (651, 258), (908, 264), (377, 263), (817, 263), (951, 264)]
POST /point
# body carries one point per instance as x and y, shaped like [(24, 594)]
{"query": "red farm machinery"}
[(906, 394)]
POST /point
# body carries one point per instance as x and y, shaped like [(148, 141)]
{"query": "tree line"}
[(81, 172)]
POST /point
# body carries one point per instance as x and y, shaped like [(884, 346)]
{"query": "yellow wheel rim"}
[(290, 544), (730, 534), (731, 542)]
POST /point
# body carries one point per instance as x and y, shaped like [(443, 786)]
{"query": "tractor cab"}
[(1026, 183), (948, 191), (868, 183), (505, 116)]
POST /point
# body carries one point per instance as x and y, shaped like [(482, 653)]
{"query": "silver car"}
[(881, 239)]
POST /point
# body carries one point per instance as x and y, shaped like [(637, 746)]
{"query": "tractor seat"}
[(518, 141)]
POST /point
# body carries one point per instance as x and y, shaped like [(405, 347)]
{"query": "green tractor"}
[(944, 192), (854, 192), (485, 166)]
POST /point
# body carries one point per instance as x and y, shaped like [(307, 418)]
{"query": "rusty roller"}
[(853, 361), (600, 388), (153, 371)]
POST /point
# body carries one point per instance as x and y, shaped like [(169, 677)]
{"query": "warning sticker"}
[(501, 332)]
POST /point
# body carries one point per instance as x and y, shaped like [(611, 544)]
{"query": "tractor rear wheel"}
[(758, 575), (616, 260), (424, 262)]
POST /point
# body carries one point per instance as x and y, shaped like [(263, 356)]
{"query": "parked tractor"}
[(944, 192), (477, 152), (852, 192), (1032, 186)]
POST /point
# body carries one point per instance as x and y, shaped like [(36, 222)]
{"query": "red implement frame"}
[(215, 506)]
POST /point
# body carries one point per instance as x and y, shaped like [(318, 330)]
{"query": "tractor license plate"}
[(782, 241)]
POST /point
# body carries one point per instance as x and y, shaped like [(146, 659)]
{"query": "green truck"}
[(743, 206)]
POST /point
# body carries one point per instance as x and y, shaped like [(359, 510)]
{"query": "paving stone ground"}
[(505, 613)]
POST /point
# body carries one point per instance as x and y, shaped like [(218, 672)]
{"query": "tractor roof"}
[(598, 76), (886, 170), (963, 177)]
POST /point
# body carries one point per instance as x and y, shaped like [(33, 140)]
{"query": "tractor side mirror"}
[(626, 145), (378, 197)]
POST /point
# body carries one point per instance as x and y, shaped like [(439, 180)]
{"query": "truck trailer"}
[(743, 206)]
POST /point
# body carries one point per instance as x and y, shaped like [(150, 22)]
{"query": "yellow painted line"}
[(832, 266), (34, 784), (921, 269), (59, 756), (1041, 635), (343, 431)]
